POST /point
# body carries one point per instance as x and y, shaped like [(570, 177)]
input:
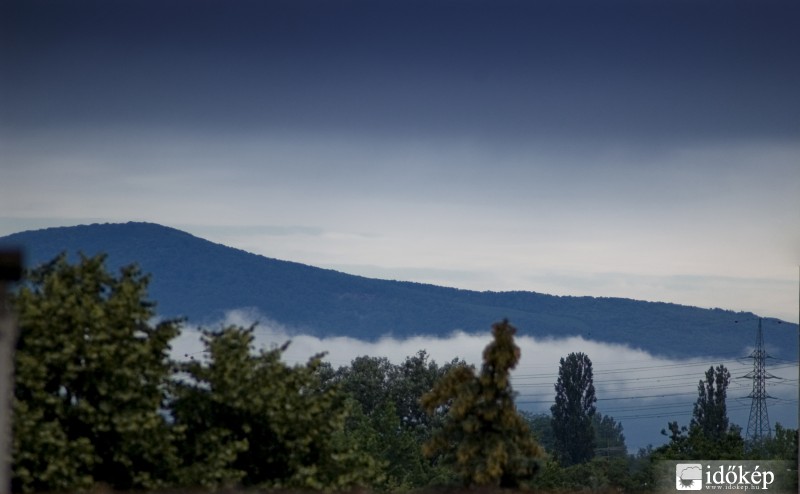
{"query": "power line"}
[(618, 370)]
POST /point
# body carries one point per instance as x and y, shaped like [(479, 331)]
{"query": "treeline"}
[(97, 400)]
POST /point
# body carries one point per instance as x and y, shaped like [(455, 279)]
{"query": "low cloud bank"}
[(639, 389)]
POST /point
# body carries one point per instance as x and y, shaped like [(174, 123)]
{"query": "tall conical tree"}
[(710, 411), (574, 409), (484, 436)]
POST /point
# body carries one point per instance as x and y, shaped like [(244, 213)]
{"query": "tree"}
[(483, 434), (782, 445), (413, 378), (709, 435), (573, 410), (608, 436), (367, 380), (541, 425), (374, 423), (90, 368), (710, 412), (611, 468), (381, 435), (251, 419), (389, 422), (600, 474), (692, 444)]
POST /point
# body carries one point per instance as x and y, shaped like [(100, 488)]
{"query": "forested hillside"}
[(201, 280)]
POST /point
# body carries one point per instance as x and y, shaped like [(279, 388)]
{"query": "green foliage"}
[(89, 378), (603, 474), (709, 435), (710, 411), (693, 444), (368, 381), (541, 425), (598, 474), (782, 445), (403, 467), (608, 436), (573, 410), (252, 419), (96, 400), (612, 468), (413, 378), (483, 435), (389, 421)]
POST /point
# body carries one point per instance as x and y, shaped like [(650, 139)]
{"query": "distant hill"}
[(201, 280)]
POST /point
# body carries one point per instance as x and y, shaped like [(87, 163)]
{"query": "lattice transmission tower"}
[(758, 425)]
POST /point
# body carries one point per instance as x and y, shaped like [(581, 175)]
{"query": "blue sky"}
[(643, 149)]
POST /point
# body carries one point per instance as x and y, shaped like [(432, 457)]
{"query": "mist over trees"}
[(97, 400)]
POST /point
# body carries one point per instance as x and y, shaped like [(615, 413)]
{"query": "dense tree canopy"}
[(249, 417), (392, 424), (97, 400), (89, 381), (368, 380)]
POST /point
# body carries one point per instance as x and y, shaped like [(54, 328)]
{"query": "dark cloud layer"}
[(634, 71)]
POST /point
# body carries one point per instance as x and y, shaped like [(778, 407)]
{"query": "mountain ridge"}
[(201, 280)]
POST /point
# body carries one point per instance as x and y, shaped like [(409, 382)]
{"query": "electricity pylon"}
[(758, 423)]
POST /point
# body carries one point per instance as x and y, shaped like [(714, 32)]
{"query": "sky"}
[(647, 149)]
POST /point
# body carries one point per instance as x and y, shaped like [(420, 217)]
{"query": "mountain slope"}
[(201, 280)]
